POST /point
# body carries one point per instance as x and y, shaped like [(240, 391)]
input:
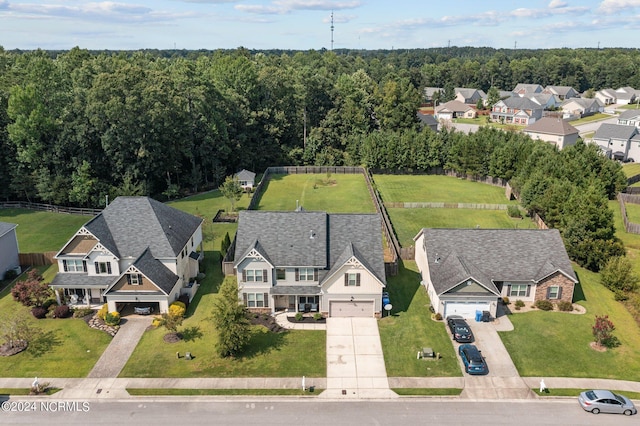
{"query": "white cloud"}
[(556, 3), (611, 7), (281, 7)]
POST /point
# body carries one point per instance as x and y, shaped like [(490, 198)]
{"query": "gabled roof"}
[(468, 93), (625, 115), (527, 88), (430, 91), (490, 255), (453, 106), (541, 99), (6, 227), (582, 102), (130, 225), (311, 239), (560, 90), (427, 119), (154, 270), (518, 102), (245, 175), (552, 126), (610, 93), (608, 131)]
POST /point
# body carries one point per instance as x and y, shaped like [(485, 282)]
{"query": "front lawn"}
[(408, 222), (65, 348), (410, 328), (556, 344), (340, 193), (40, 232), (436, 188)]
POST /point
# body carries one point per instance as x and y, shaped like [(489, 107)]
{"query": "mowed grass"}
[(344, 193), (557, 344), (207, 204), (631, 169), (434, 188), (408, 222), (42, 231), (631, 241), (410, 328), (63, 347), (633, 212)]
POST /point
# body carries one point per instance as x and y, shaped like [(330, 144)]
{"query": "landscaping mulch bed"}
[(307, 320), (18, 346), (172, 337), (266, 321)]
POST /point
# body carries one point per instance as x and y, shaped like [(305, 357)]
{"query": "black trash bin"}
[(486, 316)]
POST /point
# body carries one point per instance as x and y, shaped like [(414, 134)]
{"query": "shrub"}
[(317, 316), (544, 305), (505, 300), (157, 322), (32, 291), (62, 311), (565, 306), (47, 303), (514, 211), (39, 312), (10, 275), (102, 312), (603, 332), (179, 303), (82, 312), (184, 299), (519, 304), (51, 312), (299, 316), (620, 296), (112, 318), (176, 309), (438, 316)]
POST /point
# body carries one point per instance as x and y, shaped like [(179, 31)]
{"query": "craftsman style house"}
[(516, 110), (469, 270), (137, 251), (310, 262)]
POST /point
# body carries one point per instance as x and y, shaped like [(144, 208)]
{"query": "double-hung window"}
[(518, 290), (554, 292), (103, 267), (352, 279), (254, 275), (74, 265), (306, 274)]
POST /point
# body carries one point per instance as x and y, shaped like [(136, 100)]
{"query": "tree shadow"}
[(578, 293), (43, 342), (262, 343), (190, 334), (402, 288)]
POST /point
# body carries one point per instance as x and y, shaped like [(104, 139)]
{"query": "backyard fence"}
[(49, 208), (440, 205), (37, 259), (633, 228)]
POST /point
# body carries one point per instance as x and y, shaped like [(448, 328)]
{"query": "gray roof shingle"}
[(6, 227), (609, 131), (552, 126), (245, 174), (490, 255), (159, 274)]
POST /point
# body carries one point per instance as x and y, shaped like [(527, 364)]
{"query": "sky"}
[(306, 24)]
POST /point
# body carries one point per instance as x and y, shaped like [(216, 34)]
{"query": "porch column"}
[(57, 296)]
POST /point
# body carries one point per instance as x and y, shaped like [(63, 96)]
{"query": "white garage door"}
[(465, 310), (351, 309)]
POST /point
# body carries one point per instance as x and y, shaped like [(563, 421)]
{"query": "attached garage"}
[(357, 308), (465, 309)]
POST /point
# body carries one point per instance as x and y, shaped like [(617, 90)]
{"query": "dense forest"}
[(78, 125)]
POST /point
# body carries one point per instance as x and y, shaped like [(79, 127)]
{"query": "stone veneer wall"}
[(553, 280)]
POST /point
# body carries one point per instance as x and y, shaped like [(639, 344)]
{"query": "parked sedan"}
[(472, 359), (460, 330), (604, 401)]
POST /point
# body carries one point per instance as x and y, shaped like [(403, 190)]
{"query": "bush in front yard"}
[(102, 312), (519, 304), (565, 306), (82, 312), (317, 316), (514, 211), (112, 318), (544, 305), (299, 316), (505, 300), (39, 312), (62, 311)]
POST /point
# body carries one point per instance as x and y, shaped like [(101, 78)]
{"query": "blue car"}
[(472, 359)]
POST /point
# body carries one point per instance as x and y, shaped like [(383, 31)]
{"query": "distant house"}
[(246, 179), (516, 110), (562, 92), (428, 120), (469, 96), (625, 95), (468, 270), (618, 142), (310, 262), (522, 89), (606, 96), (581, 107), (545, 100), (429, 92), (553, 130), (9, 258), (454, 109), (630, 117), (137, 251)]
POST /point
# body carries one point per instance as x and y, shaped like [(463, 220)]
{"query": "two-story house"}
[(553, 130), (516, 110), (310, 262), (618, 142), (136, 251), (562, 92), (630, 117)]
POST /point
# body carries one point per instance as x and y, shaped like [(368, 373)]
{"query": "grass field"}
[(434, 188), (42, 231), (633, 212), (631, 169), (63, 348), (409, 328), (557, 344), (589, 119), (344, 194), (408, 222)]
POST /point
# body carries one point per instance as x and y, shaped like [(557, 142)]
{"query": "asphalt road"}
[(245, 411)]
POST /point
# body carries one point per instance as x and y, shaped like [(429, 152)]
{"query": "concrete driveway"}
[(355, 364), (503, 380)]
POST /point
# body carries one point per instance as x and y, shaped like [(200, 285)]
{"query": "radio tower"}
[(332, 30)]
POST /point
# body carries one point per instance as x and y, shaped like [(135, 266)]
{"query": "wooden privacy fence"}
[(633, 228), (437, 205), (49, 208), (37, 259)]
